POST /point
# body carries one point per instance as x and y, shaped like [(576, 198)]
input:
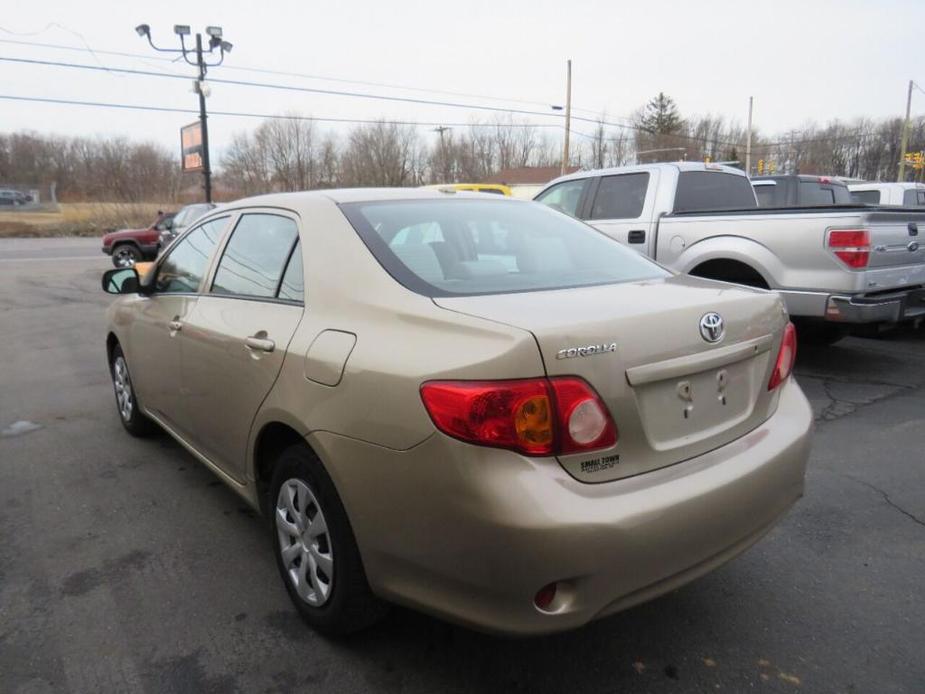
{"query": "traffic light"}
[(771, 167), (760, 166)]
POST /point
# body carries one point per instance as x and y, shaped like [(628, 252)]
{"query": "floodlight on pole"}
[(198, 58)]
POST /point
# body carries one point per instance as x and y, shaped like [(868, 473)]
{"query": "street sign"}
[(191, 147)]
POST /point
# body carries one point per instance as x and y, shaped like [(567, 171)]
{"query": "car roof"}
[(345, 195)]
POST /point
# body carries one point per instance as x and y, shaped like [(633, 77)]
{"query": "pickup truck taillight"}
[(851, 246), (533, 416)]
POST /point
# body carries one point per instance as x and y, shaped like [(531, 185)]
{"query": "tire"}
[(125, 255), (331, 593), (127, 404)]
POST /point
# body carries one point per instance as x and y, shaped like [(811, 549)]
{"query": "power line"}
[(285, 73), (427, 102), (244, 114), (314, 90)]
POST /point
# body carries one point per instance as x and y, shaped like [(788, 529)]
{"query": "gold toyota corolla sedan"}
[(473, 406)]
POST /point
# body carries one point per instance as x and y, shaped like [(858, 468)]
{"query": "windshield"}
[(465, 247)]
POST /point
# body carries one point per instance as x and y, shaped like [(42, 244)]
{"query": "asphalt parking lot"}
[(127, 566)]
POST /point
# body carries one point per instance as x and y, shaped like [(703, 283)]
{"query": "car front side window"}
[(183, 269), (254, 259)]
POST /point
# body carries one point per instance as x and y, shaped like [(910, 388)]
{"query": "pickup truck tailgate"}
[(895, 239)]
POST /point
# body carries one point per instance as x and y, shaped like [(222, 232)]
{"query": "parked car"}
[(129, 246), (477, 412), (892, 194), (800, 191), (181, 221), (13, 198), (836, 267)]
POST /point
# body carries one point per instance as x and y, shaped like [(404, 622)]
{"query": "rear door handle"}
[(637, 236), (260, 343)]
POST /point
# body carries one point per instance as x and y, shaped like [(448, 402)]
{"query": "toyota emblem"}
[(712, 327)]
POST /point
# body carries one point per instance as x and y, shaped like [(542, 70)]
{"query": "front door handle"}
[(260, 342), (175, 325)]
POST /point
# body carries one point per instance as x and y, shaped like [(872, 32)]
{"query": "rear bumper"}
[(891, 307), (471, 534), (885, 308)]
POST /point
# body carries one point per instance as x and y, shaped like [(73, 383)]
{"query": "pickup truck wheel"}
[(125, 255), (315, 549)]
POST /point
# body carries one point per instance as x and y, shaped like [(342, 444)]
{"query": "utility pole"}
[(748, 140), (905, 136), (568, 116), (446, 169), (215, 41)]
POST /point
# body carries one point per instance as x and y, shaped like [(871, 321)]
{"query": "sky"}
[(810, 60)]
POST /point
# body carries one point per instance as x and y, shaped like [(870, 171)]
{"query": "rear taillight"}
[(785, 357), (851, 246), (536, 416)]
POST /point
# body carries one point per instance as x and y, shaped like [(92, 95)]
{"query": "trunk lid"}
[(896, 239), (672, 394)]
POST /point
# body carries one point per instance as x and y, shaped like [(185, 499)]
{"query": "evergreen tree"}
[(661, 116)]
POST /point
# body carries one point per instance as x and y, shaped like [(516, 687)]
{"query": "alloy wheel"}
[(123, 386), (124, 257), (304, 542)]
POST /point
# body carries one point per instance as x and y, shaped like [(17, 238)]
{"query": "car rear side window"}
[(620, 197), (565, 196), (913, 198), (183, 269), (292, 288), (866, 197), (255, 256), (464, 247), (713, 190)]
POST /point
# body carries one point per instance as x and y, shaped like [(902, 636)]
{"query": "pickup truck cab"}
[(130, 246), (891, 194), (800, 191), (834, 266)]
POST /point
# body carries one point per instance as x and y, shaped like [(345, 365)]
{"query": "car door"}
[(621, 206), (238, 333), (157, 331)]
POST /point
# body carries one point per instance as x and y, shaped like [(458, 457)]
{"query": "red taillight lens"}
[(785, 357), (852, 246), (536, 416)]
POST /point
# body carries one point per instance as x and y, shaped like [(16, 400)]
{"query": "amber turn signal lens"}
[(532, 421)]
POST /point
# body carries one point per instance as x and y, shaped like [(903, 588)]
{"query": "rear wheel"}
[(125, 255), (127, 404), (315, 550)]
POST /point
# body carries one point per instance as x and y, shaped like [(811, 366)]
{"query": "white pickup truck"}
[(835, 266), (894, 194)]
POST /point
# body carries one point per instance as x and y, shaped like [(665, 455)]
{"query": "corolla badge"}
[(712, 327), (586, 350)]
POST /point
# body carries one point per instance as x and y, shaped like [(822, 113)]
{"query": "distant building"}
[(526, 181)]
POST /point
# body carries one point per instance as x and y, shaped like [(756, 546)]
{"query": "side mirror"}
[(121, 281)]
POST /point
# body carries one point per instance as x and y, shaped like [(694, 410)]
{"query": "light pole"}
[(215, 42)]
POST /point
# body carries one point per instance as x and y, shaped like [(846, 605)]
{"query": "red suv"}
[(129, 246)]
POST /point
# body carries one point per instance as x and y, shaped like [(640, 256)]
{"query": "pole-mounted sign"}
[(191, 147)]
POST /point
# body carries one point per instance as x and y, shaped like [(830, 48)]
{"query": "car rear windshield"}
[(713, 190), (465, 247)]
